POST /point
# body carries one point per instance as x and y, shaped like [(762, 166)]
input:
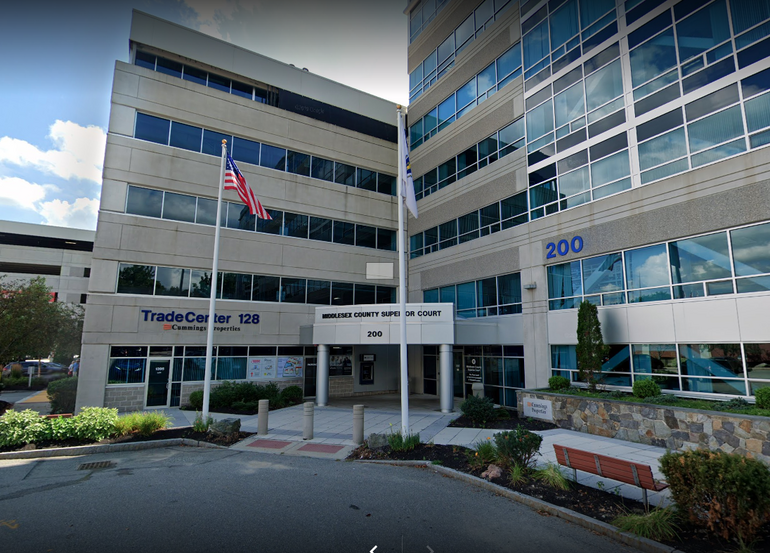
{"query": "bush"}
[(517, 447), (399, 442), (96, 423), (556, 383), (246, 406), (62, 394), (646, 388), (196, 400), (763, 398), (224, 395), (23, 427), (658, 524), (292, 395), (144, 423), (485, 454), (552, 476), (200, 425), (16, 371), (479, 410), (727, 493)]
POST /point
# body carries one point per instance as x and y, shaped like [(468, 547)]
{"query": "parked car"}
[(48, 370)]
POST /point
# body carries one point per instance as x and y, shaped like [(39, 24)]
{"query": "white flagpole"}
[(213, 295), (402, 280)]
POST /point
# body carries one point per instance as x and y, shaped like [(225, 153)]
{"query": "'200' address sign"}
[(562, 247)]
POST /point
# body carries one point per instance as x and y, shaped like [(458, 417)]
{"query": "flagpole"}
[(405, 431), (213, 294)]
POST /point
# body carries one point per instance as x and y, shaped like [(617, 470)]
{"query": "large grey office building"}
[(562, 151)]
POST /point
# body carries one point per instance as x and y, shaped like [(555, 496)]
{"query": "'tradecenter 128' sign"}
[(195, 321)]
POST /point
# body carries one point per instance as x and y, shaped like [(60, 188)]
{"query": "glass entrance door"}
[(157, 383)]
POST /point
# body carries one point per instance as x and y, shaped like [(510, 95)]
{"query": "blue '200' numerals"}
[(563, 247)]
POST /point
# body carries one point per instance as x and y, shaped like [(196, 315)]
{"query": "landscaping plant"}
[(657, 524), (556, 383), (199, 425), (590, 348), (551, 475), (95, 423), (646, 388), (480, 410), (196, 400), (726, 493), (62, 394), (398, 442), (517, 447), (292, 395), (23, 427), (143, 423), (517, 475), (484, 455), (762, 396)]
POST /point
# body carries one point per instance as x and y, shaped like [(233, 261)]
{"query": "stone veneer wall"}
[(125, 398), (675, 428)]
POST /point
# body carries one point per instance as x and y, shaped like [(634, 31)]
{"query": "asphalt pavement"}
[(190, 499)]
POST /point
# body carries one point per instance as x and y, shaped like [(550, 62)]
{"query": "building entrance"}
[(157, 383)]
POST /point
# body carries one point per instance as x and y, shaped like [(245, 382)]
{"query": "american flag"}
[(234, 180)]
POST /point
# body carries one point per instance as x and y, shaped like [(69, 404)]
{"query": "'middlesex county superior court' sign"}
[(426, 323)]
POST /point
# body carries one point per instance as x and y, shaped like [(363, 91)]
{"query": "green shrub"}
[(479, 410), (556, 383), (736, 404), (664, 399), (646, 388), (62, 395), (484, 455), (62, 428), (552, 476), (95, 423), (292, 395), (399, 442), (16, 371), (223, 395), (23, 427), (199, 425), (517, 447), (246, 406), (763, 398), (144, 423), (658, 524), (517, 475), (727, 493), (196, 400), (269, 391), (277, 402)]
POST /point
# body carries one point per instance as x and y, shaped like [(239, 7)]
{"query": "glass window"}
[(758, 112), (219, 82), (238, 216), (136, 279), (242, 89), (151, 128), (344, 174), (747, 13), (702, 30), (715, 129), (701, 258), (568, 105), (194, 75), (295, 225), (212, 142), (564, 24), (751, 250), (615, 370), (344, 233), (318, 292), (603, 274), (647, 267), (653, 58), (540, 120), (712, 102), (342, 293), (430, 296), (298, 163), (145, 60), (509, 289), (323, 169), (469, 224), (490, 215), (514, 374), (293, 290), (536, 44), (386, 184), (266, 288), (574, 182), (447, 294), (245, 150), (464, 32), (186, 137), (564, 280), (466, 94), (236, 286), (366, 236), (126, 371), (207, 212), (486, 80), (510, 135), (171, 281), (466, 295), (231, 368), (272, 157), (386, 294), (320, 229), (610, 168), (664, 148), (718, 360), (143, 201), (367, 179), (386, 239), (364, 294), (604, 85), (447, 234), (200, 284)]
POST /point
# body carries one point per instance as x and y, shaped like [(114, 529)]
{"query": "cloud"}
[(78, 152), (21, 193), (210, 16), (82, 213)]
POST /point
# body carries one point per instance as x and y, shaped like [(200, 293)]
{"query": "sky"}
[(58, 58)]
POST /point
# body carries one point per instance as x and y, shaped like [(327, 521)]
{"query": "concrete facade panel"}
[(113, 196), (752, 318), (707, 320)]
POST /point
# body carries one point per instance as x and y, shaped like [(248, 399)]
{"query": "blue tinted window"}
[(536, 45), (702, 30), (564, 24), (242, 89), (298, 163), (701, 258), (318, 292), (194, 75), (386, 184), (143, 201), (320, 229), (323, 169), (179, 207), (212, 142), (169, 67), (151, 128), (509, 62), (271, 226), (715, 129), (747, 13), (245, 150), (344, 233), (344, 174), (218, 82), (592, 10), (466, 94), (295, 225), (653, 58), (145, 60), (367, 179), (272, 157), (186, 136), (386, 239)]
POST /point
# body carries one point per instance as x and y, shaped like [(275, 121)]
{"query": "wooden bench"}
[(627, 472), (63, 416)]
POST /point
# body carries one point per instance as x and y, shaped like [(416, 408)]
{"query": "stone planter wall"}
[(675, 428)]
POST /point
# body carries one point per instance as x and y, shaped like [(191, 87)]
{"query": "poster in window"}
[(289, 367), (262, 368), (340, 365)]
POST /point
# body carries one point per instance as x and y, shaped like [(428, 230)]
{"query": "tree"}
[(32, 325), (590, 349)]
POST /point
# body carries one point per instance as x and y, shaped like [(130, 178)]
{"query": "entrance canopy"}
[(426, 323)]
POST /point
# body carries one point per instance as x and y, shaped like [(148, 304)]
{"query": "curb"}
[(104, 448), (597, 526)]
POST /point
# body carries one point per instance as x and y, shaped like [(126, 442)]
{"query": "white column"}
[(322, 377), (447, 383)]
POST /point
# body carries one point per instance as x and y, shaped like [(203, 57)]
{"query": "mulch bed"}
[(4, 406), (181, 432), (597, 504), (505, 423)]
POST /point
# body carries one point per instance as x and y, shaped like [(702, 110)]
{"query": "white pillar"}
[(447, 383), (322, 377)]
